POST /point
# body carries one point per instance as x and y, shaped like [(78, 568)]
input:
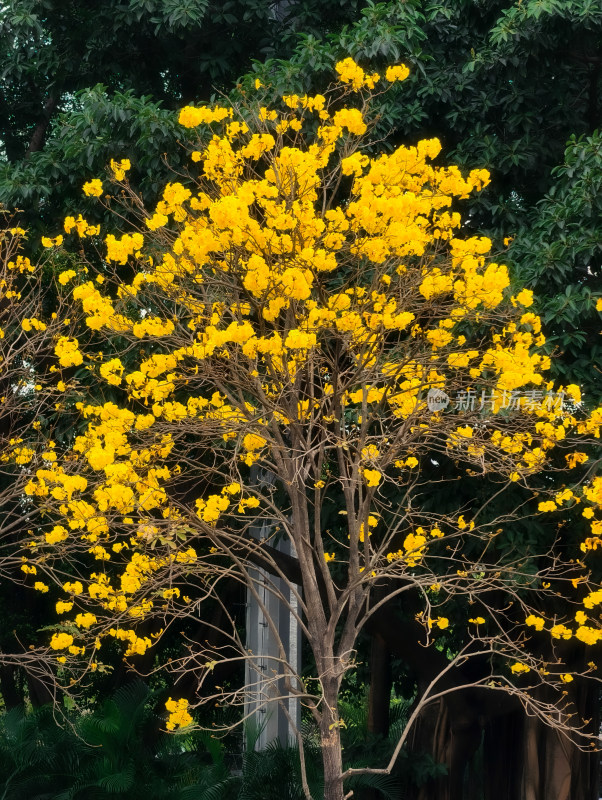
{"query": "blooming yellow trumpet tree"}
[(309, 312)]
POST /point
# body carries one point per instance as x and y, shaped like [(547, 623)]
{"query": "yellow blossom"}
[(66, 276), (372, 477), (61, 641), (93, 188), (49, 242), (397, 73), (119, 168), (179, 717), (535, 622)]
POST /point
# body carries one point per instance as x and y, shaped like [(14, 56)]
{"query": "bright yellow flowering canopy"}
[(307, 309)]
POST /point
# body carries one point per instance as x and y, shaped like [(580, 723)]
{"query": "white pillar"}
[(265, 714)]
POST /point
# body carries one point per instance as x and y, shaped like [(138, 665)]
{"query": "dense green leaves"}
[(559, 254), (81, 82), (118, 750), (100, 127), (502, 84)]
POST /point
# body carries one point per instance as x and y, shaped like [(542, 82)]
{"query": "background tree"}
[(516, 68), (519, 68), (110, 68)]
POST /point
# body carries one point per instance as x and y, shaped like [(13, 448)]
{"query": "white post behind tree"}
[(272, 713)]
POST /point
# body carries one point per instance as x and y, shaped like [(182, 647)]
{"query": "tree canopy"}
[(302, 348), (502, 85)]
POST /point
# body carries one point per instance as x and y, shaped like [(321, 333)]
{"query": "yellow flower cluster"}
[(120, 250), (119, 168), (397, 73), (350, 118), (372, 477), (535, 622), (93, 188), (21, 264), (68, 352), (55, 483), (271, 317), (56, 535), (49, 242), (179, 716), (61, 641), (99, 309), (66, 276), (351, 73), (191, 117), (112, 371), (32, 324), (136, 645), (82, 227), (414, 547)]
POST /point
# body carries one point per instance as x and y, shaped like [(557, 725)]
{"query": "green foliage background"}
[(512, 86)]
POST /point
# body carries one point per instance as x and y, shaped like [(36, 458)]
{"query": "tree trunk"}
[(36, 142), (465, 740), (11, 695), (330, 740), (333, 763), (39, 692), (431, 736), (585, 775), (379, 698), (502, 755)]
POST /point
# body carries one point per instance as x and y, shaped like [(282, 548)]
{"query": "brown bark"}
[(432, 736), (522, 758), (330, 740), (530, 787), (454, 730), (379, 698), (36, 143), (585, 775), (466, 734), (558, 767)]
